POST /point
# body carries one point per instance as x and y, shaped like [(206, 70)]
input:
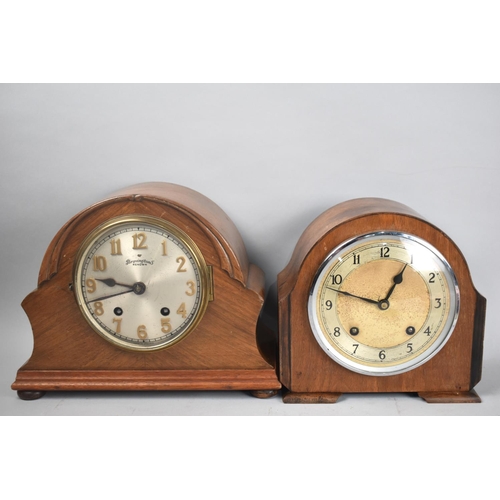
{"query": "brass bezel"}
[(205, 272)]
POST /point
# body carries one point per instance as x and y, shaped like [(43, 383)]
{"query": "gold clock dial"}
[(383, 303), (141, 282)]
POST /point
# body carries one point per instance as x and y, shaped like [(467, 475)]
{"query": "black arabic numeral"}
[(336, 279)]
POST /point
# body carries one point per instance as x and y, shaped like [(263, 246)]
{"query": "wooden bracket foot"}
[(451, 397)]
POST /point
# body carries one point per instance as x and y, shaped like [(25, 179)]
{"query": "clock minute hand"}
[(109, 296), (352, 295)]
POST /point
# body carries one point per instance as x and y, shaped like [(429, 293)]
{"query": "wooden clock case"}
[(309, 375), (222, 353)]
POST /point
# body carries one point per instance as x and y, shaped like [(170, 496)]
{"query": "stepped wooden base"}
[(32, 384)]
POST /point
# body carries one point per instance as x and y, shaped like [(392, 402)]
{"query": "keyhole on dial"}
[(165, 311), (118, 311)]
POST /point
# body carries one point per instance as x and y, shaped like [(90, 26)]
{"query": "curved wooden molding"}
[(204, 212)]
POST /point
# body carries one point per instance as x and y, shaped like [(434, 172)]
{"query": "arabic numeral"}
[(381, 355), (336, 279)]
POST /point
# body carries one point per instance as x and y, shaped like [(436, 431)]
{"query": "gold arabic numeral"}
[(182, 310), (118, 322), (139, 241), (91, 285), (164, 247), (100, 263), (182, 262), (116, 247), (166, 327), (141, 332), (191, 291), (98, 308)]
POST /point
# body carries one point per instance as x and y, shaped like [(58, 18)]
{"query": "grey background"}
[(273, 157)]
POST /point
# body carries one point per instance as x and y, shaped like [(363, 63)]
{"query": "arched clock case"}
[(377, 299), (149, 289)]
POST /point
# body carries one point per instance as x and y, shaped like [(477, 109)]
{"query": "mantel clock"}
[(149, 289), (377, 299)]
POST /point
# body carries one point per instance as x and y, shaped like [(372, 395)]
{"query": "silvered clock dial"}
[(141, 283)]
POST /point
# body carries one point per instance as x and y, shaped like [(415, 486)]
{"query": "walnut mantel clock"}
[(377, 299), (149, 289)]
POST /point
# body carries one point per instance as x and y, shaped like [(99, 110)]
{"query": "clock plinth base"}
[(311, 397), (32, 384), (450, 397), (30, 395)]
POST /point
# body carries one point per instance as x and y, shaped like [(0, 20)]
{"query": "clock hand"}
[(138, 288), (109, 296), (398, 279), (351, 295), (112, 282)]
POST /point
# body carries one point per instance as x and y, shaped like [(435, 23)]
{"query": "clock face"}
[(383, 303), (141, 282)]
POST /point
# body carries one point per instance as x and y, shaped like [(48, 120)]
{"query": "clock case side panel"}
[(304, 365), (223, 351)]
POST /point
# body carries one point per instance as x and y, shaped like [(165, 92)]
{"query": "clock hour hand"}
[(351, 295), (397, 280), (112, 282)]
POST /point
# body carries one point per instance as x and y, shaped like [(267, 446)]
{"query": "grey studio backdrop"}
[(273, 157)]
